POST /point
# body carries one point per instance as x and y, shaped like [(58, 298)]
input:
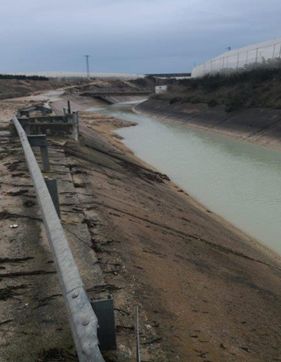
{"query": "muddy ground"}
[(206, 291)]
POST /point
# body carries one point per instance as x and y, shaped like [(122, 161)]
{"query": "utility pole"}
[(87, 65)]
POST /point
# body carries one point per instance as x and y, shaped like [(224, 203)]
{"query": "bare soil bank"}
[(33, 318), (209, 291), (256, 125), (12, 88)]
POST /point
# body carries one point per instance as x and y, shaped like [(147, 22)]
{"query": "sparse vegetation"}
[(23, 77), (212, 103), (250, 88)]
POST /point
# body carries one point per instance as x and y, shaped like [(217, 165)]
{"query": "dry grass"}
[(249, 89)]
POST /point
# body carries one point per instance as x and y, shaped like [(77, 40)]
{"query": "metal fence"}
[(83, 320), (251, 56)]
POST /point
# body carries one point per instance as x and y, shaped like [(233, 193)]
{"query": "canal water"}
[(237, 180)]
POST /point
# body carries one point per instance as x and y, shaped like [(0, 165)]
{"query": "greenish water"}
[(237, 180)]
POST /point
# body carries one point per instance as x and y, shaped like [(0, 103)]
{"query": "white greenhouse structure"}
[(235, 60)]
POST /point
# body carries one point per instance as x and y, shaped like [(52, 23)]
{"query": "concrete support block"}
[(40, 140)]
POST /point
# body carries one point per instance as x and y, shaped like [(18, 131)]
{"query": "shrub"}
[(233, 103), (175, 100), (213, 103)]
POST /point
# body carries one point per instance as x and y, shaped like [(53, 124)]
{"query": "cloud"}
[(129, 35)]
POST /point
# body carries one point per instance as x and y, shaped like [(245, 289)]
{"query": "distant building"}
[(161, 89)]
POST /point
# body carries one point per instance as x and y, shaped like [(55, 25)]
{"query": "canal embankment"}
[(210, 291), (33, 318), (205, 290), (245, 104), (256, 125)]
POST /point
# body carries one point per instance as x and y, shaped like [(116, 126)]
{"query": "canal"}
[(237, 180)]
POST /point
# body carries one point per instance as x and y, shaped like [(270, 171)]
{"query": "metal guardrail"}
[(83, 320)]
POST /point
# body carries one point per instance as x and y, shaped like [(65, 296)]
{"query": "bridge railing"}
[(83, 321)]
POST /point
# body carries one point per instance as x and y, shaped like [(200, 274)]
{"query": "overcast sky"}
[(135, 36)]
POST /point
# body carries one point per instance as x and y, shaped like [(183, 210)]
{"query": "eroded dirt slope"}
[(206, 292), (33, 318), (212, 294)]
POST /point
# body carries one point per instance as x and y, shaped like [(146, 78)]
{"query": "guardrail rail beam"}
[(83, 320)]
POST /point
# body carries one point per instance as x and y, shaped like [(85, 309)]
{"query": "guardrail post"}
[(75, 129), (27, 129), (40, 140), (53, 190), (137, 329), (45, 158), (104, 311), (83, 321), (68, 107)]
